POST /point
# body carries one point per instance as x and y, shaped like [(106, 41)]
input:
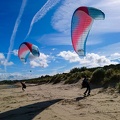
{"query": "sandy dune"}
[(58, 102)]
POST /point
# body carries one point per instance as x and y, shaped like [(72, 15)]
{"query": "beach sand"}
[(58, 102)]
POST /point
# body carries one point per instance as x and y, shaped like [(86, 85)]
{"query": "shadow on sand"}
[(27, 112), (79, 98)]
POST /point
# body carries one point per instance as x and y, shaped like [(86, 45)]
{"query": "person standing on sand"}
[(85, 84), (23, 85)]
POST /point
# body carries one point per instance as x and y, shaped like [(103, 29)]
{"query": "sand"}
[(58, 102)]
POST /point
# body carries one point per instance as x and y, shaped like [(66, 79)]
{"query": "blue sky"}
[(47, 24)]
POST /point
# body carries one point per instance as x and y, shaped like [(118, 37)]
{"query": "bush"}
[(97, 76), (112, 79), (69, 80), (74, 70), (55, 79), (108, 74), (118, 87), (115, 78), (73, 78), (86, 73)]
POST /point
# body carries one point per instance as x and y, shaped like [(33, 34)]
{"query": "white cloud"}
[(115, 56), (41, 61), (3, 61), (15, 52), (95, 60), (1, 70), (53, 49), (90, 60), (61, 20), (2, 56), (16, 76), (70, 56)]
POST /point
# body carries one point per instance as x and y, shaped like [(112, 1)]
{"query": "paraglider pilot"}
[(85, 84), (23, 85)]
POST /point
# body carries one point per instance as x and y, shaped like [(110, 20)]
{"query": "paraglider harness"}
[(85, 83)]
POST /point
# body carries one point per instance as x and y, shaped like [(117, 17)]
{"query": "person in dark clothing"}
[(23, 85), (85, 84)]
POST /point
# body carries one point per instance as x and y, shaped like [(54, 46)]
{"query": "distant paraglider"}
[(26, 49), (81, 23)]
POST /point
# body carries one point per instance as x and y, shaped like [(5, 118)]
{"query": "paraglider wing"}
[(35, 50), (25, 49), (81, 23)]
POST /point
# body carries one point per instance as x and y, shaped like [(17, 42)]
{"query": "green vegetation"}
[(118, 87), (107, 76), (98, 76)]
